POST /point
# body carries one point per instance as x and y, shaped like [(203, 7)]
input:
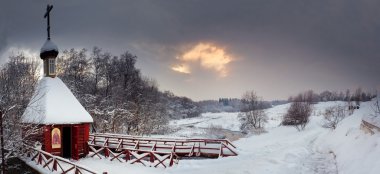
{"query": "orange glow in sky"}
[(210, 57), (181, 69)]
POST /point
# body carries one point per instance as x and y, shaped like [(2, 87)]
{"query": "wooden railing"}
[(162, 140), (180, 147), (52, 163), (132, 156)]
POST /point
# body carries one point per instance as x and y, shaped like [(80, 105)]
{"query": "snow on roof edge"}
[(49, 46)]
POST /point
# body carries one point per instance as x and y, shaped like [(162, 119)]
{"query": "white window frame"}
[(51, 66)]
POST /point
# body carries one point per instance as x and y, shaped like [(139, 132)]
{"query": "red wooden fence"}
[(53, 163), (146, 158), (134, 149)]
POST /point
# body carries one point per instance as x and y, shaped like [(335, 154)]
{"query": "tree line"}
[(228, 105), (356, 96), (117, 95), (299, 112), (253, 117)]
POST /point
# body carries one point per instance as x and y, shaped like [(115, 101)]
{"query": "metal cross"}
[(47, 15)]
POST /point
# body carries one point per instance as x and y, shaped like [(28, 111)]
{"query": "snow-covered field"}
[(197, 126), (281, 150)]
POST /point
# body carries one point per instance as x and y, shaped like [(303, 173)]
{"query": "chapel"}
[(63, 122)]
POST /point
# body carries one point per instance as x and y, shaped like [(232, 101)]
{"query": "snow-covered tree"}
[(119, 98), (180, 107), (299, 112), (251, 114), (333, 115), (18, 78), (376, 107)]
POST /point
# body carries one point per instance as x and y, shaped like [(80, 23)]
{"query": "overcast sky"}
[(206, 49)]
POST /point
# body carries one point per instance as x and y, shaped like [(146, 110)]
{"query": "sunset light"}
[(208, 55), (181, 69)]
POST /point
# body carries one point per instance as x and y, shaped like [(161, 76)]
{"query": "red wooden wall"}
[(79, 137)]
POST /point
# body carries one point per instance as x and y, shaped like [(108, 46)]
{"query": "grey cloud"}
[(337, 38), (3, 42), (3, 35)]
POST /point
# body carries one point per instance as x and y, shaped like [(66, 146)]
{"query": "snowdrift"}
[(283, 150), (355, 151)]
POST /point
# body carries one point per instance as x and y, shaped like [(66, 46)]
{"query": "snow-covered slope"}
[(281, 150), (374, 117), (355, 151)]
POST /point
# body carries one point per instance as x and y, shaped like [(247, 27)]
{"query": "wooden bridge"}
[(156, 151)]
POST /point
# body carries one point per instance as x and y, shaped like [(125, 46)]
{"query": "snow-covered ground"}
[(197, 126), (355, 151), (281, 150), (225, 120)]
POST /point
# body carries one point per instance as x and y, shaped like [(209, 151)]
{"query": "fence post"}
[(171, 161), (127, 155), (106, 153), (151, 157), (54, 165)]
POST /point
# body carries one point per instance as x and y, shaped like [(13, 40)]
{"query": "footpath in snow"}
[(281, 150)]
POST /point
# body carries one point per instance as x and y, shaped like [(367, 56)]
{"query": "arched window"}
[(52, 66)]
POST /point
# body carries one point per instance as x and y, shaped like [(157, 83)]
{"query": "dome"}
[(48, 50), (49, 46)]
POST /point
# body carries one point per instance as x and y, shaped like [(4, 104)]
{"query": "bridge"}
[(156, 151), (146, 151)]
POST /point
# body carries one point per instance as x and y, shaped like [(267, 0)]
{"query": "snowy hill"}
[(281, 150), (355, 151)]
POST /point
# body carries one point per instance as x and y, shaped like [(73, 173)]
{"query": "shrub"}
[(298, 115), (333, 115)]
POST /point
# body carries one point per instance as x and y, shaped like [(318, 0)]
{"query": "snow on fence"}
[(132, 156), (53, 163), (179, 147)]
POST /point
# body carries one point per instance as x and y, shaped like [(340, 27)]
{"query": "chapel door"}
[(75, 137), (66, 142)]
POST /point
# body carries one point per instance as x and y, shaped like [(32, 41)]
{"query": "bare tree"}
[(358, 96), (299, 113), (347, 96), (376, 107), (252, 115), (333, 115), (18, 78)]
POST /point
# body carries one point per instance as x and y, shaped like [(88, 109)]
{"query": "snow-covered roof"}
[(49, 46), (53, 103)]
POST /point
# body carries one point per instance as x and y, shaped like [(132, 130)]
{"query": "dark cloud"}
[(326, 44), (3, 42), (3, 35)]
